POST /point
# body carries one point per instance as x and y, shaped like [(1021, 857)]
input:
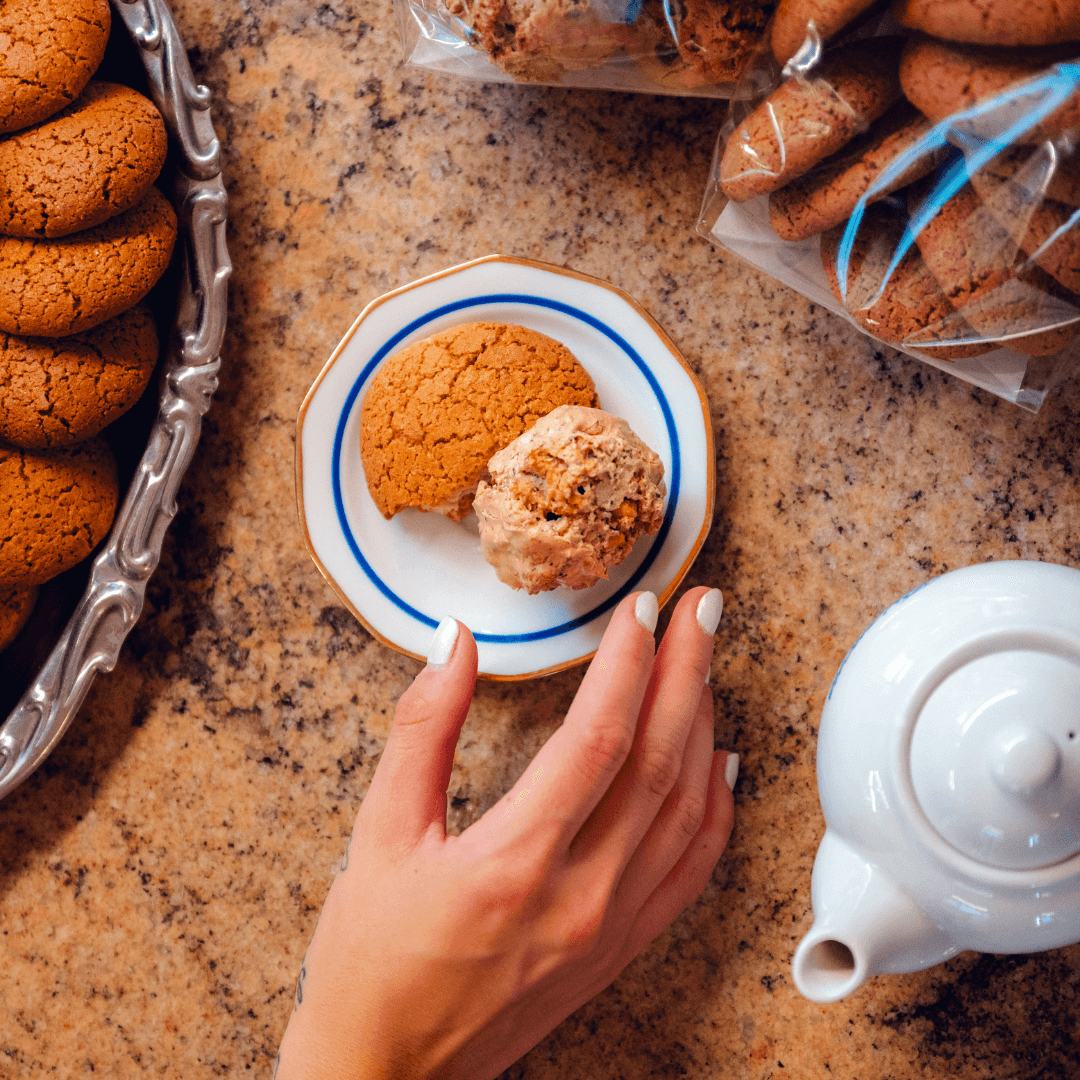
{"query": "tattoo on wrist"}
[(300, 984)]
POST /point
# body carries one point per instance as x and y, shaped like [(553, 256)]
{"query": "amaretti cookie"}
[(567, 500), (56, 506), (940, 79), (53, 288), (993, 22), (974, 260), (16, 604), (804, 121), (827, 195), (1040, 227), (61, 391), (912, 302), (436, 411), (794, 16), (1026, 168), (48, 51), (93, 160)]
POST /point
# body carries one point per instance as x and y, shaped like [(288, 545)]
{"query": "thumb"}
[(408, 792)]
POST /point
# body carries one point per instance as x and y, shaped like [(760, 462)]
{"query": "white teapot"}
[(948, 768)]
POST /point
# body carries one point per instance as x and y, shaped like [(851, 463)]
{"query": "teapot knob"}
[(1023, 759)]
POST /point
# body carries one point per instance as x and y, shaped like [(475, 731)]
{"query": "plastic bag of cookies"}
[(700, 48), (915, 170)]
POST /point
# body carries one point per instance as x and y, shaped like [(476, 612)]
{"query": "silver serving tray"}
[(117, 587)]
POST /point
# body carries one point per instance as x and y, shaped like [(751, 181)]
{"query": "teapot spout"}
[(863, 925)]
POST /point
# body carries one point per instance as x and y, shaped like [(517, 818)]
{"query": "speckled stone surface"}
[(161, 874)]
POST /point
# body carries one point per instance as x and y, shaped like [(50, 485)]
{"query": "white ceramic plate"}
[(401, 577)]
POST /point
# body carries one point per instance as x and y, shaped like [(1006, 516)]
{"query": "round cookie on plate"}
[(48, 51), (827, 195), (993, 22), (437, 411), (912, 301), (16, 604), (90, 162), (804, 121), (60, 391), (567, 500), (940, 79), (58, 505), (52, 288)]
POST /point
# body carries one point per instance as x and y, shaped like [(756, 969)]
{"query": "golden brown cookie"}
[(16, 604), (793, 16), (826, 195), (804, 121), (90, 162), (48, 51), (56, 506), (53, 288), (975, 261), (911, 302), (61, 391), (1016, 164), (1041, 228), (993, 22), (940, 79), (436, 411)]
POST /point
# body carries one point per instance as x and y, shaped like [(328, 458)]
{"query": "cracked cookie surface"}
[(48, 51), (53, 288), (56, 506), (90, 162), (16, 603), (61, 391), (436, 411)]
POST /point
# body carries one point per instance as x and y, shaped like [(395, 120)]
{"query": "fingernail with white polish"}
[(731, 770), (646, 610), (442, 644), (710, 608)]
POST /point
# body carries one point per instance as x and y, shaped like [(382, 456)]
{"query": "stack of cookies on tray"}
[(84, 236), (999, 263)]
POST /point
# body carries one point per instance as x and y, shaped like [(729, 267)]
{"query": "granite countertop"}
[(160, 876)]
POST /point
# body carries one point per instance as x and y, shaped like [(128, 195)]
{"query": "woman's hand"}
[(450, 957)]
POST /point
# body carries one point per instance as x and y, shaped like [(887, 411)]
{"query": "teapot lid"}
[(995, 752)]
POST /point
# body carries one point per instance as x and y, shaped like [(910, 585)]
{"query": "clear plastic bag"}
[(693, 48), (952, 239)]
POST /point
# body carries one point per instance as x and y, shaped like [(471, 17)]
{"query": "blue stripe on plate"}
[(566, 309)]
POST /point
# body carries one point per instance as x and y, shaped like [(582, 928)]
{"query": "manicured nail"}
[(442, 644), (710, 608), (731, 770), (646, 610)]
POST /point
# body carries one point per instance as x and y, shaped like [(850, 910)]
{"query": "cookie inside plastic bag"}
[(686, 47), (953, 238)]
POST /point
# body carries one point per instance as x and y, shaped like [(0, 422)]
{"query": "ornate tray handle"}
[(114, 595)]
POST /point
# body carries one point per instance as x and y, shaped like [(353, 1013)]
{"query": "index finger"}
[(577, 765)]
